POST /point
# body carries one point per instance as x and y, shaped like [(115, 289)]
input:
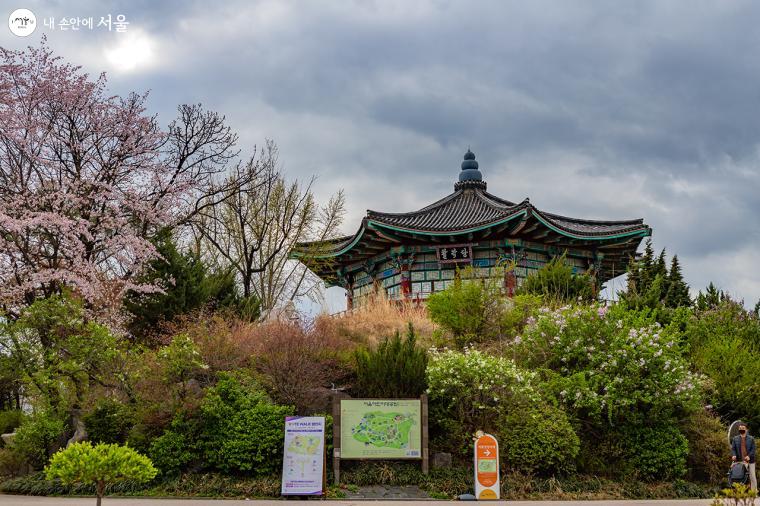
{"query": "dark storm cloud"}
[(599, 109)]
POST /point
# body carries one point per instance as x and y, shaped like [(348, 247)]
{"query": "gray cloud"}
[(597, 109)]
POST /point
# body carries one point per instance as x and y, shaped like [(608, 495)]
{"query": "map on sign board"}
[(303, 462), (380, 429)]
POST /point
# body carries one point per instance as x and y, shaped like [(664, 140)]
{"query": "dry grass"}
[(379, 318)]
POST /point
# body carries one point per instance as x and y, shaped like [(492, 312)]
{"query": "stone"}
[(441, 460), (8, 438)]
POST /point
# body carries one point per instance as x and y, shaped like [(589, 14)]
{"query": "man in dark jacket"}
[(743, 450)]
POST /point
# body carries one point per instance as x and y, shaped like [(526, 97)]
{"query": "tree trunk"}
[(99, 491)]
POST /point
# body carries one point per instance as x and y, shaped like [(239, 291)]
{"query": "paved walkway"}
[(8, 500)]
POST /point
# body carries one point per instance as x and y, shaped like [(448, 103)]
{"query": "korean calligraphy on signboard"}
[(454, 253)]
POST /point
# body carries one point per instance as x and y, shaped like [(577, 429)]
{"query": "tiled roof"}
[(463, 209), (475, 208)]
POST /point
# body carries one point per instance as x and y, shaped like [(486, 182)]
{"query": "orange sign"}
[(486, 467)]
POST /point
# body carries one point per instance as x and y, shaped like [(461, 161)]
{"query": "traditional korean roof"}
[(472, 212)]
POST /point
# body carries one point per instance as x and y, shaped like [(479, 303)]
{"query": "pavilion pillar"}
[(406, 281)]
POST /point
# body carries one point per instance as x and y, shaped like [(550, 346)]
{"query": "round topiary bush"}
[(538, 438)]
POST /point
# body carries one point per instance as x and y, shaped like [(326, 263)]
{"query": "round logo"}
[(22, 22)]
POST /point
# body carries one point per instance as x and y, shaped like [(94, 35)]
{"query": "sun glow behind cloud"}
[(133, 51)]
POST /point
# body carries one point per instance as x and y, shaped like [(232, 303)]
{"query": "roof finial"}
[(470, 175)]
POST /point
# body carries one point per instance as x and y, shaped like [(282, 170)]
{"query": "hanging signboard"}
[(381, 429), (454, 253), (487, 467), (303, 465)]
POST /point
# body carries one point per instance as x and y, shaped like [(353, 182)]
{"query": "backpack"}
[(738, 474)]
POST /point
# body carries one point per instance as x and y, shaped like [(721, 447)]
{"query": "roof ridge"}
[(637, 221), (429, 207)]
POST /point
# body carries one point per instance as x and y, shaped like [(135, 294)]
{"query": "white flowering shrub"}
[(610, 363), (469, 390)]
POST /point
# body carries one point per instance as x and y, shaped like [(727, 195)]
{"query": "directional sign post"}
[(487, 467)]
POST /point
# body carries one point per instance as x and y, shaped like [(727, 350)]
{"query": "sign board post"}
[(487, 484), (379, 429), (303, 463)]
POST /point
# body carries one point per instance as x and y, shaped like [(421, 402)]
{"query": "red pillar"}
[(406, 282)]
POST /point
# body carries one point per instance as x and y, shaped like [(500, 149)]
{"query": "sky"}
[(593, 109)]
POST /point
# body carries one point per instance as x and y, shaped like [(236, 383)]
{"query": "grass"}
[(380, 318)]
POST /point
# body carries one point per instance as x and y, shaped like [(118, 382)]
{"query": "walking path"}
[(15, 500)]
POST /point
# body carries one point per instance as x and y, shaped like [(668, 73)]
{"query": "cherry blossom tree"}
[(86, 178)]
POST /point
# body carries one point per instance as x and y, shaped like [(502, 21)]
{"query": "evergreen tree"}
[(187, 285), (395, 369), (646, 267), (677, 294), (634, 276), (711, 298), (757, 309)]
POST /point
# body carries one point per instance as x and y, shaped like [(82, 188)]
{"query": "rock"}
[(8, 438), (80, 432), (467, 497), (441, 460)]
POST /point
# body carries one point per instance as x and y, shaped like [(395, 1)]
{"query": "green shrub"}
[(725, 345), (99, 465), (520, 310), (471, 310), (611, 365), (395, 369), (460, 309), (11, 463), (9, 420), (109, 422), (556, 282), (708, 450), (241, 430), (469, 391), (235, 429), (537, 438), (655, 453), (38, 437), (173, 451)]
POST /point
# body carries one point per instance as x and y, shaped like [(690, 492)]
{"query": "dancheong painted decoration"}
[(411, 255)]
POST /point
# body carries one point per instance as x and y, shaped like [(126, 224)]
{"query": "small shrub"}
[(537, 438), (556, 282), (241, 430), (656, 453), (461, 309), (38, 437), (99, 465), (9, 420), (395, 369), (469, 391), (708, 451), (738, 495), (297, 365), (109, 422), (11, 463), (173, 451)]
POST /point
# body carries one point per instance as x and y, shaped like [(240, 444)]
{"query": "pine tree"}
[(646, 268), (187, 285), (634, 276), (711, 298), (677, 294)]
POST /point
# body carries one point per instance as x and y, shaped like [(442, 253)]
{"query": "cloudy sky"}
[(593, 109)]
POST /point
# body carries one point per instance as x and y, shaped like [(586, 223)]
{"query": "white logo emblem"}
[(22, 22)]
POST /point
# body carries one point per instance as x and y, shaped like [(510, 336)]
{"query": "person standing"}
[(743, 449)]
